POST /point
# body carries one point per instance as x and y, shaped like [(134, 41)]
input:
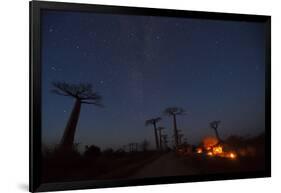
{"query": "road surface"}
[(166, 165)]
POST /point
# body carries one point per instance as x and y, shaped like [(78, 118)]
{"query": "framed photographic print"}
[(124, 96)]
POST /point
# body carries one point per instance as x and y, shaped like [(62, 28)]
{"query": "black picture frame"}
[(35, 94)]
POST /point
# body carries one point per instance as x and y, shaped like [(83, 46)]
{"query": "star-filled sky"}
[(141, 65)]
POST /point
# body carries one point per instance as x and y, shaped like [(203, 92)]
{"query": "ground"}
[(166, 165), (145, 165)]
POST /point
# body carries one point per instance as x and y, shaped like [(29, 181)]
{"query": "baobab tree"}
[(165, 141), (154, 122), (174, 112), (133, 147), (160, 136), (180, 136), (83, 94), (144, 145), (136, 147), (214, 125), (185, 140)]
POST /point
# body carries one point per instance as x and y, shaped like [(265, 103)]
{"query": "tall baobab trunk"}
[(180, 138), (156, 136), (136, 147), (165, 141), (82, 93), (160, 138), (175, 130), (217, 134), (69, 132)]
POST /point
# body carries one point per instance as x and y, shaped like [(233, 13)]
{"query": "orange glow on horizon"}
[(209, 142), (199, 150)]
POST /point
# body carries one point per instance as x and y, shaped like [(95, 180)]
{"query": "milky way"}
[(215, 70)]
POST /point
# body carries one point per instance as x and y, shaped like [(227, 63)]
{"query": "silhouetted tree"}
[(180, 138), (165, 141), (108, 151), (154, 122), (92, 151), (131, 147), (174, 112), (160, 136), (144, 145), (120, 152), (125, 147), (83, 94), (185, 140), (214, 125), (136, 146)]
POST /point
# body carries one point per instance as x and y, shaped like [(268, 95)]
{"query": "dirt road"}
[(166, 165)]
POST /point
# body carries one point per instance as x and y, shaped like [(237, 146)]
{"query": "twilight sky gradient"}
[(215, 70)]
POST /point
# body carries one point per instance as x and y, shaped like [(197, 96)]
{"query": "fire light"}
[(217, 150), (232, 155), (199, 150), (209, 142), (213, 148)]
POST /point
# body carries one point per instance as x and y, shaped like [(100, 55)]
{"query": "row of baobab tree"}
[(84, 94), (159, 137)]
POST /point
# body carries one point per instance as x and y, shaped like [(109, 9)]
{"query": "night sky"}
[(215, 70)]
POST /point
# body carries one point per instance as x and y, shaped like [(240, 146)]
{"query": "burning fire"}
[(199, 150), (232, 155), (217, 150), (209, 142), (212, 147)]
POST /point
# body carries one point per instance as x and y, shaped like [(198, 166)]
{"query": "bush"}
[(92, 151)]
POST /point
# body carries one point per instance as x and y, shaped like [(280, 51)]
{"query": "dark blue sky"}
[(141, 65)]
